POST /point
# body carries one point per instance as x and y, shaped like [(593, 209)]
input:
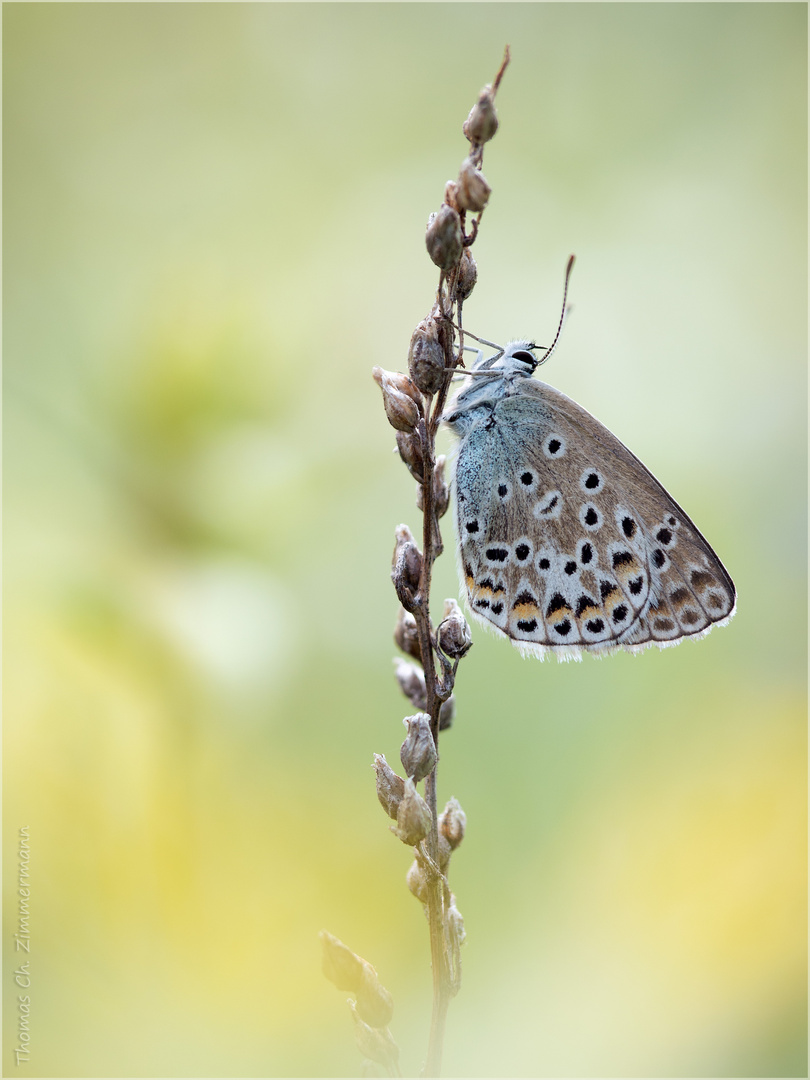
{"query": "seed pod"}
[(406, 567), (390, 789), (417, 882), (473, 189), (453, 633), (444, 239), (426, 357), (418, 752), (411, 681), (407, 638), (467, 275), (455, 922), (454, 935), (340, 965), (441, 492), (453, 823), (374, 1003), (445, 851), (400, 398), (374, 1043), (413, 817), (447, 713), (410, 450), (482, 123)]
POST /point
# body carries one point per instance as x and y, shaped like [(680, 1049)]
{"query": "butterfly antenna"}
[(552, 346)]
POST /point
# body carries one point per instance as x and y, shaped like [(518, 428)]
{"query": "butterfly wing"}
[(567, 542)]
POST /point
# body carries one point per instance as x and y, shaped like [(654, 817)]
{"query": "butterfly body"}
[(566, 542)]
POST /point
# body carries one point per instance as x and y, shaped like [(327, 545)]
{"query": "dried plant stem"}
[(432, 548), (448, 304), (414, 406)]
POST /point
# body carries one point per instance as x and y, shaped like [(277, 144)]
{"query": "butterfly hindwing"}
[(567, 542)]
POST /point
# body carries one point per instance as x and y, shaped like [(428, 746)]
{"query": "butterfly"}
[(566, 543)]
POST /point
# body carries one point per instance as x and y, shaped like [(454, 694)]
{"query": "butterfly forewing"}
[(567, 542)]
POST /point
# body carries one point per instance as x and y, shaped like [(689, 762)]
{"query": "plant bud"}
[(453, 823), (401, 407), (413, 817), (418, 753), (445, 851), (447, 713), (417, 882), (453, 634), (482, 123), (426, 357), (467, 275), (441, 492), (454, 935), (406, 567), (406, 638), (390, 789), (455, 922), (405, 386), (444, 238), (473, 189), (374, 1003), (410, 450), (411, 681), (340, 965), (374, 1043)]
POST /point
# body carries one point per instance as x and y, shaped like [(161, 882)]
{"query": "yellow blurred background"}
[(213, 228)]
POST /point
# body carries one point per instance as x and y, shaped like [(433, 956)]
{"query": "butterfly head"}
[(518, 358), (490, 379)]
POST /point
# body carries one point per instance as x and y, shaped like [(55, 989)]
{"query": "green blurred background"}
[(213, 228)]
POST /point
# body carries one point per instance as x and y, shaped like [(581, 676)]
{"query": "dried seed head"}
[(426, 357), (444, 239), (418, 753), (453, 634), (455, 922), (482, 123), (406, 567), (441, 492), (410, 450), (340, 965), (447, 713), (411, 681), (400, 398), (374, 1043), (406, 637), (467, 275), (390, 789), (451, 194), (473, 189), (454, 936), (453, 823), (374, 1003), (405, 386), (413, 817), (445, 851), (417, 882)]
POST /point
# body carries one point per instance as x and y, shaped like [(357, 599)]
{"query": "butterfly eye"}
[(525, 357)]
